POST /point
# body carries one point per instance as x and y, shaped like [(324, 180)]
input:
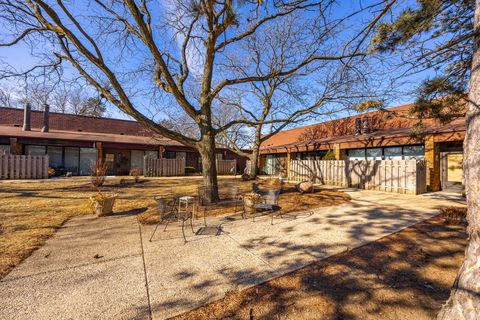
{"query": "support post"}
[(15, 147), (432, 158), (99, 147), (161, 151), (289, 158), (339, 153)]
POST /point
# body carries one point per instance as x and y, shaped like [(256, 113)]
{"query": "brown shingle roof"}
[(79, 128), (69, 122), (86, 136), (343, 130)]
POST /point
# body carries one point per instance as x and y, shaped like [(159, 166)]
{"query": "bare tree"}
[(178, 48), (66, 97), (269, 106), (6, 98)]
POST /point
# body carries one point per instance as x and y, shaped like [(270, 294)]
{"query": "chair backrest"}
[(165, 205), (234, 192), (202, 194), (271, 196)]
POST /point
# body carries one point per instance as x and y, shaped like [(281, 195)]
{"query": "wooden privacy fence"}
[(23, 167), (227, 167), (163, 167), (400, 176)]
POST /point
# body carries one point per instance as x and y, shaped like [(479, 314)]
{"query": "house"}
[(73, 142), (374, 136)]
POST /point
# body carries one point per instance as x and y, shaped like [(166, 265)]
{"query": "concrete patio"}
[(106, 267)]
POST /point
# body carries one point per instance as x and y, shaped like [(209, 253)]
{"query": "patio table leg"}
[(204, 218), (183, 231), (191, 224)]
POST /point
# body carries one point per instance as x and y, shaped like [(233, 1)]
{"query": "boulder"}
[(305, 186)]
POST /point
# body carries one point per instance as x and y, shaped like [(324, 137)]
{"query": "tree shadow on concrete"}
[(131, 212), (365, 222), (406, 275)]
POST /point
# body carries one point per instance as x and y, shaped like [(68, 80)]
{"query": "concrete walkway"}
[(106, 268)]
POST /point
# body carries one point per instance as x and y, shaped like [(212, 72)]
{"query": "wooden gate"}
[(163, 167), (226, 167)]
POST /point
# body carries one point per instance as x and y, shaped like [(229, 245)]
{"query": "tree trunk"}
[(254, 157), (464, 301), (206, 148)]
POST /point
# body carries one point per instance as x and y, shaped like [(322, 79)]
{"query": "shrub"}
[(50, 172), (246, 177), (329, 156), (454, 214), (191, 170), (98, 173), (135, 173)]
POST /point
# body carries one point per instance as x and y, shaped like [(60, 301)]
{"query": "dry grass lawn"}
[(30, 212), (406, 275)]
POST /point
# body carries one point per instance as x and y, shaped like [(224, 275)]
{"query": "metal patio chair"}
[(270, 201), (268, 204), (168, 210), (235, 196)]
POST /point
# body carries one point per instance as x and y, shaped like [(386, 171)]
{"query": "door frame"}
[(444, 172)]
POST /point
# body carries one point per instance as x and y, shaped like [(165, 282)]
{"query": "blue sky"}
[(19, 56)]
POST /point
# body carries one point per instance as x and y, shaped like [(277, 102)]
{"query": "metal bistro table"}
[(186, 201)]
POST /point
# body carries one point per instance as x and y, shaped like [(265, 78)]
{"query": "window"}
[(151, 154), (4, 149), (374, 154), (321, 154), (356, 154), (35, 150), (71, 159), (181, 155), (55, 156), (169, 155), (308, 155), (88, 156), (219, 156), (136, 160), (109, 157), (270, 164), (414, 152), (392, 153)]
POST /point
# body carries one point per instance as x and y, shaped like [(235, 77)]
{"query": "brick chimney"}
[(26, 117), (46, 115), (366, 125), (358, 126)]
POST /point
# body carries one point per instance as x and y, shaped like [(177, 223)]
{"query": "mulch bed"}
[(290, 200)]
